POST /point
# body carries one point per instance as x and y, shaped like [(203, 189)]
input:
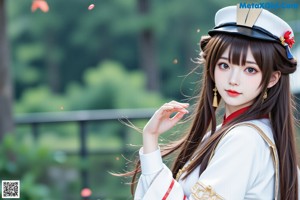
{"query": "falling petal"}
[(39, 4), (198, 30), (61, 107), (86, 192), (91, 6), (175, 61), (117, 158)]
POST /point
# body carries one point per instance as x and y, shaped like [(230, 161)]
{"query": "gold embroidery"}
[(180, 172), (203, 192)]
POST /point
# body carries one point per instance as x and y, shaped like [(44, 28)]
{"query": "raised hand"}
[(160, 122)]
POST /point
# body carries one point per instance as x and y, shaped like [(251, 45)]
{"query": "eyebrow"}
[(247, 61)]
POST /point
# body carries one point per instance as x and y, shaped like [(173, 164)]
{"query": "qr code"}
[(10, 189)]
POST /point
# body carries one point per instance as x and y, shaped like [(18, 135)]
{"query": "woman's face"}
[(238, 85)]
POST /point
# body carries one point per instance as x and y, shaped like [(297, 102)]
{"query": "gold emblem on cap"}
[(247, 16)]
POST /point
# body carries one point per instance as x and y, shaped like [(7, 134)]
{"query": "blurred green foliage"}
[(27, 164), (55, 48), (106, 86)]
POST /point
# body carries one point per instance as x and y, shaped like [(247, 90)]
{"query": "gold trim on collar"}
[(202, 192), (274, 155), (271, 145)]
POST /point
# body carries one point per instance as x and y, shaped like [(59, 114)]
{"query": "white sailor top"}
[(241, 168)]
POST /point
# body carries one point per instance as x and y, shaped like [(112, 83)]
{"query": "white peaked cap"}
[(251, 22)]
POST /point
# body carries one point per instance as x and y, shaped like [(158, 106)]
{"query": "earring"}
[(215, 100), (265, 95)]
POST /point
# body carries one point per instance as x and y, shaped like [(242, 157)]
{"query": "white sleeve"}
[(156, 180), (233, 166), (151, 163)]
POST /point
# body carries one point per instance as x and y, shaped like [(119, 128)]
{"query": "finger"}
[(173, 101), (172, 105), (172, 109), (185, 105), (177, 117), (177, 104), (167, 109)]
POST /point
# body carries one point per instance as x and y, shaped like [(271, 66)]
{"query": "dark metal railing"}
[(83, 118)]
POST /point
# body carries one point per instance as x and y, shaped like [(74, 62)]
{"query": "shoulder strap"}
[(271, 146)]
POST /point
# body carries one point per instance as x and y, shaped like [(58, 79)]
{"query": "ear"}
[(274, 78)]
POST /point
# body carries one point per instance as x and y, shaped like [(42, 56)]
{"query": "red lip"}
[(232, 93)]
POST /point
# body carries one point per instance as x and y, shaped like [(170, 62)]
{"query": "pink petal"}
[(91, 6), (39, 4), (86, 192)]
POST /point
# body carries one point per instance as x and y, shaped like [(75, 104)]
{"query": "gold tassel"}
[(215, 100), (265, 96)]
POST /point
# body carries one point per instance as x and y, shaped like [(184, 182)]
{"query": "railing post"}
[(35, 133), (83, 155)]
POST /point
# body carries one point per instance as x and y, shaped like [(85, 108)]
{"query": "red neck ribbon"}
[(238, 113)]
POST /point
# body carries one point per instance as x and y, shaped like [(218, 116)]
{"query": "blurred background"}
[(70, 75)]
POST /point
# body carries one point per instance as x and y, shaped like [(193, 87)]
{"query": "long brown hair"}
[(270, 57)]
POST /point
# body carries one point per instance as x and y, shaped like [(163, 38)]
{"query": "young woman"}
[(252, 154)]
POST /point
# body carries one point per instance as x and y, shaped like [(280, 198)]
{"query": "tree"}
[(6, 120), (147, 48)]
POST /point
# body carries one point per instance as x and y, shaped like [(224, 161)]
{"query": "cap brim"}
[(243, 30)]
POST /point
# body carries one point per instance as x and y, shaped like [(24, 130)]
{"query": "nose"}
[(234, 78)]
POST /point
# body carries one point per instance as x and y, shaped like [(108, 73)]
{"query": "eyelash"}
[(221, 65), (225, 66)]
